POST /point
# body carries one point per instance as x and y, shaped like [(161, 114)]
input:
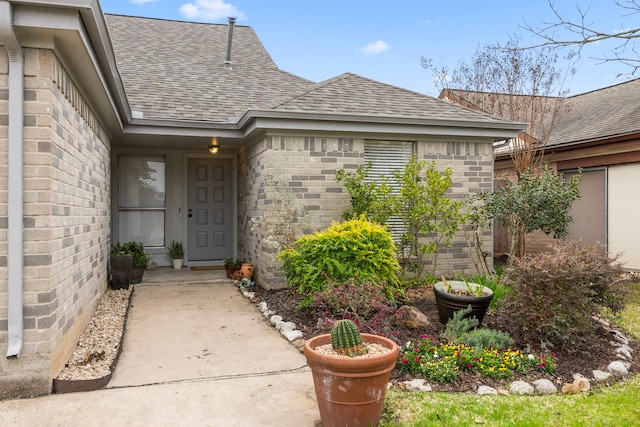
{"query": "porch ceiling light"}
[(214, 147)]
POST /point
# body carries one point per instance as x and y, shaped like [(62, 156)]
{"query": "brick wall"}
[(309, 165), (472, 164), (67, 222)]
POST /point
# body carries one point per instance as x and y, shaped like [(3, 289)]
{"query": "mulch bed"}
[(594, 352)]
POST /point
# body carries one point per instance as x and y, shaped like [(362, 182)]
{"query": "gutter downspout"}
[(15, 234)]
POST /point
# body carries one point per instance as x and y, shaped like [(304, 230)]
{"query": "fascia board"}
[(255, 119), (84, 18), (187, 129)]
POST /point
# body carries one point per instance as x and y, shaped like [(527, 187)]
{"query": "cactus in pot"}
[(346, 339)]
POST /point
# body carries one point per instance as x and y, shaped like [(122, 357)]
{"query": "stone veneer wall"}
[(309, 165), (67, 222)]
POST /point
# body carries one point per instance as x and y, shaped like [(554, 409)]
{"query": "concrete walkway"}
[(195, 353)]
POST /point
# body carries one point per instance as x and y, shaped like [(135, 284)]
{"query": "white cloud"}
[(375, 48), (210, 10), (142, 1)]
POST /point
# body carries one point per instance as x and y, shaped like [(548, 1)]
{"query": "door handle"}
[(190, 214)]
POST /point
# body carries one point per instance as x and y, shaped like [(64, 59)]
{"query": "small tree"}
[(534, 202), (430, 218), (512, 83), (372, 199), (286, 220)]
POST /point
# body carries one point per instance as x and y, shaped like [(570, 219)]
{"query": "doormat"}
[(208, 267)]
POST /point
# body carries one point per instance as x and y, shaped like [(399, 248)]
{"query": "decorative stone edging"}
[(287, 329)]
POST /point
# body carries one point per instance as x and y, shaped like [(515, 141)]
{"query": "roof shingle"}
[(173, 70)]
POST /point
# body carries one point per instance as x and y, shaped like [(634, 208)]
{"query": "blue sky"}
[(384, 40)]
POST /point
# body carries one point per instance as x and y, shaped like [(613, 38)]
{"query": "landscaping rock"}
[(299, 344), (275, 319), (599, 375), (486, 390), (285, 326), (544, 386), (618, 369), (521, 388), (410, 317), (292, 335), (619, 337), (416, 385), (624, 353)]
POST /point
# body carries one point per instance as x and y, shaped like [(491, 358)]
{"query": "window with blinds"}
[(141, 199), (386, 157)]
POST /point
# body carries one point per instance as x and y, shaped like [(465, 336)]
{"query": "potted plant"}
[(231, 265), (349, 377), (121, 267), (176, 252), (139, 261), (455, 295), (246, 270)]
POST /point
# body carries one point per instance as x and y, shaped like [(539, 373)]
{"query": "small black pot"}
[(448, 303), (136, 275)]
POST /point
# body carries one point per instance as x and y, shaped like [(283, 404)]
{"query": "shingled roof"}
[(353, 94), (173, 70), (600, 114)]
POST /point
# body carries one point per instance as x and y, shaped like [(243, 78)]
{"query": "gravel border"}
[(99, 346)]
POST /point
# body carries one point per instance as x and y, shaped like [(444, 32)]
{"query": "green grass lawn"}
[(616, 405)]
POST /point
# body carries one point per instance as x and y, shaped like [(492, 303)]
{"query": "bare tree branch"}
[(582, 32)]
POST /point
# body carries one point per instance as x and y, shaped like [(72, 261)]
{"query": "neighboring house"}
[(105, 124), (599, 133)]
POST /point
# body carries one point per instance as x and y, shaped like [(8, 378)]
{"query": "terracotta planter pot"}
[(230, 271), (121, 268), (448, 303), (246, 270), (350, 390)]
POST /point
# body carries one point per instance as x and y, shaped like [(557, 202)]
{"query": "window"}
[(141, 199), (386, 157)]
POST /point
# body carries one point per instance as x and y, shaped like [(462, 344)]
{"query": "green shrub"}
[(499, 288), (461, 330), (136, 249), (365, 302), (482, 338), (556, 294), (354, 248)]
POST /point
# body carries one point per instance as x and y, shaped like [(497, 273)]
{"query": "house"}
[(597, 132), (107, 129)]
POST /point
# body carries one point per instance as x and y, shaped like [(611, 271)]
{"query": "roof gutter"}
[(297, 120), (15, 253)]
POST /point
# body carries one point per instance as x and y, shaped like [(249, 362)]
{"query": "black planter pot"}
[(136, 275), (448, 303), (121, 268)]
